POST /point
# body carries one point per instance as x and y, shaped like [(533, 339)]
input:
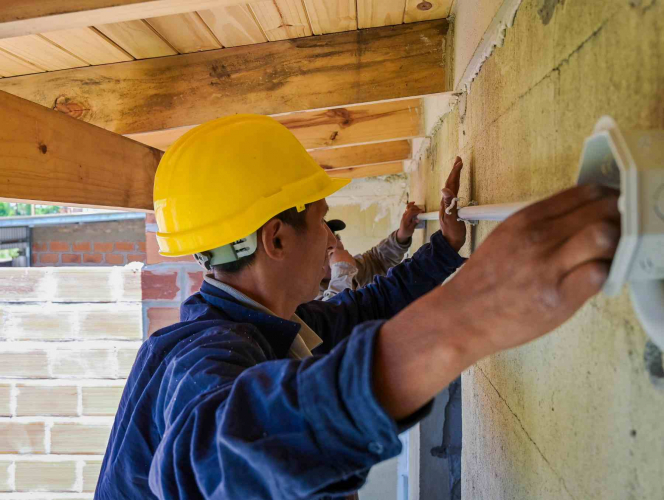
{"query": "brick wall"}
[(166, 283), (115, 243), (68, 339)]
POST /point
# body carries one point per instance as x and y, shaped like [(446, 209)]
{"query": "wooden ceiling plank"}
[(10, 65), (365, 154), (41, 52), (89, 45), (331, 128), (233, 26), (366, 123), (137, 38), (440, 9), (272, 78), (185, 32), (376, 13), (282, 19), (331, 16), (367, 170), (25, 17), (51, 158)]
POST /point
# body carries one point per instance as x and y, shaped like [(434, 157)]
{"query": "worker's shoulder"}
[(202, 338)]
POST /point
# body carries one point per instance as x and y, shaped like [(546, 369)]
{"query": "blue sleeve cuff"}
[(440, 244)]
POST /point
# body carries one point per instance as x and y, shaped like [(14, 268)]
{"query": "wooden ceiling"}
[(202, 30), (152, 69)]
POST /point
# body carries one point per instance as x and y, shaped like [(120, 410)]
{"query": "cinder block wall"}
[(68, 339), (115, 243), (576, 414)]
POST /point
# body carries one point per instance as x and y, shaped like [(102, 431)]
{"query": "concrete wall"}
[(575, 414)]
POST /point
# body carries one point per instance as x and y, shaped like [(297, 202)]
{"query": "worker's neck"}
[(263, 287)]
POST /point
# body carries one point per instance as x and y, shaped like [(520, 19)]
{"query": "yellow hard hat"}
[(223, 180)]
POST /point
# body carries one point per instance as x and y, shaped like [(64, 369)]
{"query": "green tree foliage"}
[(16, 209)]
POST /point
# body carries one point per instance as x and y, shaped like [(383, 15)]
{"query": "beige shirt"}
[(305, 341)]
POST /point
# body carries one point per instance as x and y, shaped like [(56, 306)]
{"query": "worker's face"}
[(311, 257)]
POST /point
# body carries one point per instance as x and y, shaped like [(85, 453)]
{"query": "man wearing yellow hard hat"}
[(254, 395)]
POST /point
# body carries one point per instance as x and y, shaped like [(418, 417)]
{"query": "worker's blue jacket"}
[(214, 409)]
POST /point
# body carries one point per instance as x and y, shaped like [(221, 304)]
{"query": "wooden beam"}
[(365, 154), (394, 62), (366, 123), (367, 170), (48, 157), (26, 17)]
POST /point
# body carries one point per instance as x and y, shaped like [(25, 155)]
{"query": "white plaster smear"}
[(493, 37)]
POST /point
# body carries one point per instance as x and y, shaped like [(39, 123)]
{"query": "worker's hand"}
[(453, 229), (341, 255), (408, 222), (538, 267), (527, 278)]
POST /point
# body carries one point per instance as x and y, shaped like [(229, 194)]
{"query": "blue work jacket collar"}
[(278, 332)]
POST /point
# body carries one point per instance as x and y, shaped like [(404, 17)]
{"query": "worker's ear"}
[(273, 234)]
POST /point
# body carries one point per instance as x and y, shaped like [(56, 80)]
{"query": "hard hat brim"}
[(212, 236)]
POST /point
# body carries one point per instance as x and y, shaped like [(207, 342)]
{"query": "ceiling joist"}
[(52, 158), (365, 154), (368, 170), (48, 157), (273, 78), (366, 123)]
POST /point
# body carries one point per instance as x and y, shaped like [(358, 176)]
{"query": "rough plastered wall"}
[(575, 414)]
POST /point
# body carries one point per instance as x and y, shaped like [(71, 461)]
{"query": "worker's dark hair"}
[(292, 217)]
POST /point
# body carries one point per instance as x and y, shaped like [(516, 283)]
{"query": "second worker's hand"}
[(453, 229), (409, 222), (530, 275)]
